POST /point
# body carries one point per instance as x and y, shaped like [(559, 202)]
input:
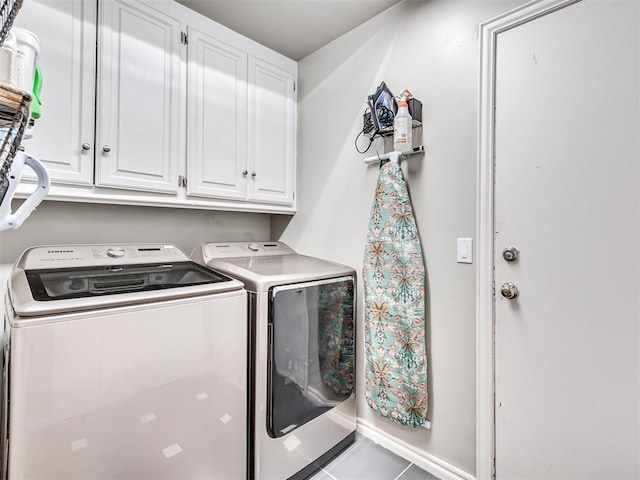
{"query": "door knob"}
[(253, 174), (511, 254), (244, 173), (86, 146), (106, 149), (509, 290)]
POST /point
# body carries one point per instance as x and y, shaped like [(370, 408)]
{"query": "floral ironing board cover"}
[(394, 291)]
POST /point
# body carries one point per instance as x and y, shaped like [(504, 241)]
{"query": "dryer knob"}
[(115, 252), (253, 247)]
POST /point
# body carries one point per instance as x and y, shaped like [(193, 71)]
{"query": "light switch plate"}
[(465, 250)]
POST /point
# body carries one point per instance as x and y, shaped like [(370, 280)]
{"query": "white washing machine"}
[(301, 311), (123, 363)]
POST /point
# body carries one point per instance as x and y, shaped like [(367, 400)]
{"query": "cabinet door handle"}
[(253, 174), (244, 173), (86, 146), (106, 149)]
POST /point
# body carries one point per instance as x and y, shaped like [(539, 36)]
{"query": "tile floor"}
[(365, 460)]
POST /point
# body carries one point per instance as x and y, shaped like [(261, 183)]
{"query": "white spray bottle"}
[(402, 125)]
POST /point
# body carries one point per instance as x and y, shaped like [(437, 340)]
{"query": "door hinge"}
[(294, 86), (182, 181), (184, 39)]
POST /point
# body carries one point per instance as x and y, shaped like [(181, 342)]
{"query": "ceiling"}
[(294, 28)]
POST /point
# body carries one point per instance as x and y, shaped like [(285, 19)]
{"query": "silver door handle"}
[(511, 254), (509, 291), (106, 149), (244, 173), (86, 146), (253, 174)]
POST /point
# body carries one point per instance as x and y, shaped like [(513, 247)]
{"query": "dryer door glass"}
[(311, 351)]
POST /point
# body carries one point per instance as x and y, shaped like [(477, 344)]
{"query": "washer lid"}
[(260, 273), (53, 280)]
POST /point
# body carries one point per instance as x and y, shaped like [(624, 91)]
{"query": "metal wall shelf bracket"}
[(394, 155)]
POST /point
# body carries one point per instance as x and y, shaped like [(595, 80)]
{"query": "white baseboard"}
[(430, 463)]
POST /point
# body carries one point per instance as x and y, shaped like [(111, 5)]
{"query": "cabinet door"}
[(139, 104), (67, 33), (271, 153), (217, 119)]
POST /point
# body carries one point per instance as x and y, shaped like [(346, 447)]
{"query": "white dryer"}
[(123, 363), (301, 312)]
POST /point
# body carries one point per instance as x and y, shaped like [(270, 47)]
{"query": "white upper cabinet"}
[(146, 102), (271, 132), (217, 118), (63, 136), (139, 97), (241, 122)]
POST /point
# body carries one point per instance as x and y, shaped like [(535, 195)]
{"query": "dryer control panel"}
[(215, 250)]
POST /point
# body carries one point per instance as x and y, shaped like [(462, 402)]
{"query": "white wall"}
[(432, 48), (57, 223)]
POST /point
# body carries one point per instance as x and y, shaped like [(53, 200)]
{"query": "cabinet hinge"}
[(294, 86), (182, 181), (184, 39)]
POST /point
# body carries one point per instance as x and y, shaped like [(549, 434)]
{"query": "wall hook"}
[(390, 155)]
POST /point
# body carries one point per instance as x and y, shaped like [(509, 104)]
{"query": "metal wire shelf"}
[(8, 11), (14, 103), (14, 116)]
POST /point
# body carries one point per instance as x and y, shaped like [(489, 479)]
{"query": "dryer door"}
[(311, 351)]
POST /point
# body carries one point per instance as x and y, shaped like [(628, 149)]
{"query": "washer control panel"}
[(38, 258), (116, 252)]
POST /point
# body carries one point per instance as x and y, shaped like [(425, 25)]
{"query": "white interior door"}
[(567, 196)]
